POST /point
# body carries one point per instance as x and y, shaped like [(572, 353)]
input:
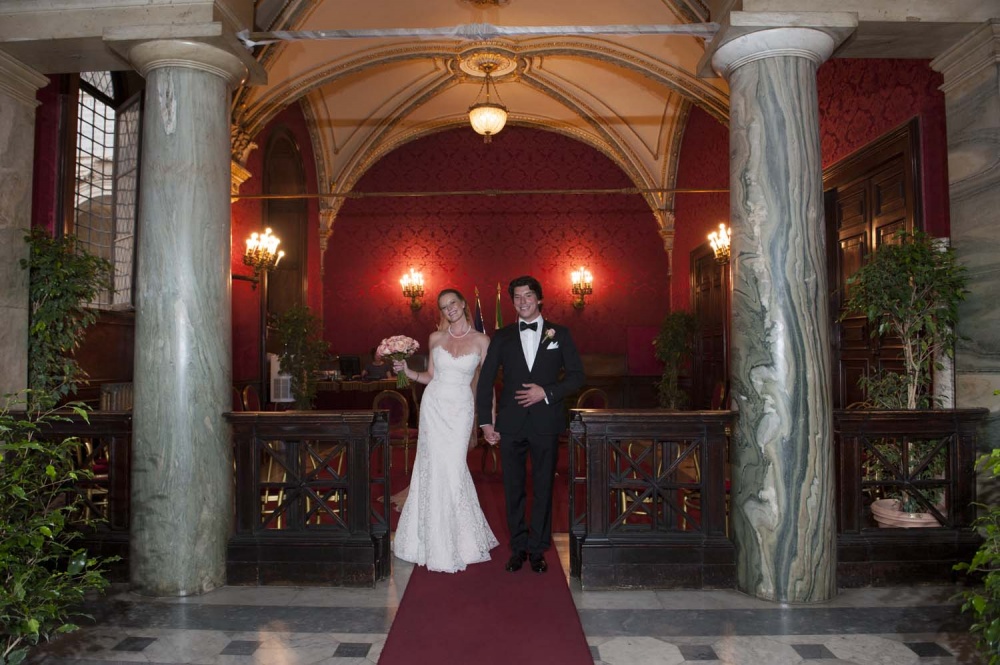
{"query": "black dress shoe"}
[(538, 565), (515, 562)]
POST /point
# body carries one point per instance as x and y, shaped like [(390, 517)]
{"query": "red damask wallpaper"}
[(247, 217), (860, 100), (477, 241), (704, 164)]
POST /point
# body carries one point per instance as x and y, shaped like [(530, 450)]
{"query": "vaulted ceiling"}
[(628, 95)]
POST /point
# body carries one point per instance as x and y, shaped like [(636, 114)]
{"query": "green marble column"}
[(972, 101), (782, 449), (181, 460)]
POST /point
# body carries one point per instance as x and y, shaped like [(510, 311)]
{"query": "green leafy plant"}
[(911, 288), (673, 346), (42, 576), (984, 602), (303, 352), (63, 279)]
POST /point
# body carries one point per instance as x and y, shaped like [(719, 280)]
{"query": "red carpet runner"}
[(485, 615)]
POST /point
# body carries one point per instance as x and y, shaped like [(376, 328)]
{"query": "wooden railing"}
[(648, 493), (924, 460), (649, 496), (311, 498), (105, 450)]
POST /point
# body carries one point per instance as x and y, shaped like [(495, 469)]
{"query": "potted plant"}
[(673, 346), (63, 280), (303, 354), (911, 288)]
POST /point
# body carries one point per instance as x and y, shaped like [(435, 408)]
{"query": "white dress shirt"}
[(530, 339)]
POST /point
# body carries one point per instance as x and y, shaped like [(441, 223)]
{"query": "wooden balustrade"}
[(928, 456), (648, 494), (311, 498), (105, 450)]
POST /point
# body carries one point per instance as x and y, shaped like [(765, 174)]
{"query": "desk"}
[(356, 385), (356, 394)]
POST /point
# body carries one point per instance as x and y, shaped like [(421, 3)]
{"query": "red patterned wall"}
[(247, 218), (704, 164), (860, 100), (476, 241)]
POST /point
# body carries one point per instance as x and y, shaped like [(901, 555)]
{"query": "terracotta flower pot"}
[(888, 515)]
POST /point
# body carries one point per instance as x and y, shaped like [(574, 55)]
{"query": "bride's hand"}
[(399, 366)]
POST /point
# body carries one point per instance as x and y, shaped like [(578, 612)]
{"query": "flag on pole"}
[(477, 318), (499, 314)]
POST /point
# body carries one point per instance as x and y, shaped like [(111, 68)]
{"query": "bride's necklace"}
[(467, 331)]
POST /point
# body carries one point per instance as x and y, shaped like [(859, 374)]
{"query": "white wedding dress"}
[(442, 525)]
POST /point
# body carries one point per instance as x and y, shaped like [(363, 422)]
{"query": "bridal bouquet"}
[(398, 347)]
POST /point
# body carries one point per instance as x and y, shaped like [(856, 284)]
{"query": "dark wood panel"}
[(870, 196)]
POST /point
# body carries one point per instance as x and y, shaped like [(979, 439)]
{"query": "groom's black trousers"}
[(515, 450)]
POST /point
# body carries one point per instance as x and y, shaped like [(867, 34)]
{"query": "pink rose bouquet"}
[(398, 347)]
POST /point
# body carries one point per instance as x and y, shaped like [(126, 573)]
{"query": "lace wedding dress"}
[(442, 525)]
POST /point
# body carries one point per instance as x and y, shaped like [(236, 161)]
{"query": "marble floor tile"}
[(332, 626)]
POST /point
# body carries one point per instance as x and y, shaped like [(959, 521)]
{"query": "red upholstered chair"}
[(400, 432)]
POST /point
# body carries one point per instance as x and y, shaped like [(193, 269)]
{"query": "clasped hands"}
[(530, 394)]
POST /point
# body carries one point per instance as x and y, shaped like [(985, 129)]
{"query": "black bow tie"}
[(525, 326)]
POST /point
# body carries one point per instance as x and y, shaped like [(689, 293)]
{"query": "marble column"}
[(182, 464), (971, 72), (782, 449), (18, 85)]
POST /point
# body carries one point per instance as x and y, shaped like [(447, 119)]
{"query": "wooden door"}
[(710, 306), (869, 197)]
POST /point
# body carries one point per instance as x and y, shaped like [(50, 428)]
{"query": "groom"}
[(540, 368)]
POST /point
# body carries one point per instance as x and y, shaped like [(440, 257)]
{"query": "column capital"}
[(20, 81), (750, 36), (975, 55), (147, 56)]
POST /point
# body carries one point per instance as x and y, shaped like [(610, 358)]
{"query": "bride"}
[(442, 525)]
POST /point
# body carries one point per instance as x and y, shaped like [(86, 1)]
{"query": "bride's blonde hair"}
[(444, 323)]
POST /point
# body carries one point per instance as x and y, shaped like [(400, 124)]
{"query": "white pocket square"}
[(553, 345)]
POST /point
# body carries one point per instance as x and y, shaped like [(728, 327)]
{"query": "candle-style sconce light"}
[(413, 288), (720, 243), (262, 254), (583, 285)]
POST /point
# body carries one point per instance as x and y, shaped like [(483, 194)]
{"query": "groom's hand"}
[(532, 393), (491, 436)]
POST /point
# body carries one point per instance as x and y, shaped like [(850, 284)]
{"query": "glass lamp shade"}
[(487, 118)]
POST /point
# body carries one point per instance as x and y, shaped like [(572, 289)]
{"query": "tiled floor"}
[(292, 626)]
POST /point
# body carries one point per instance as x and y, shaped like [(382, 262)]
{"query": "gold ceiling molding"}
[(499, 57), (714, 101), (486, 4)]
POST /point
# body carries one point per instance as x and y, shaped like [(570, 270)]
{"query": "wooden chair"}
[(592, 398), (238, 400), (400, 432), (251, 398)]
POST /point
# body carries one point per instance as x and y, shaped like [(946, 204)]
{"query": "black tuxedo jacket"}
[(557, 369)]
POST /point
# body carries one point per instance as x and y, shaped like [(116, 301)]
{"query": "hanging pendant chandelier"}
[(487, 117)]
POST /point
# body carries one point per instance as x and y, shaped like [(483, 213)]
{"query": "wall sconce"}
[(261, 254), (583, 285), (413, 288), (720, 243)]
